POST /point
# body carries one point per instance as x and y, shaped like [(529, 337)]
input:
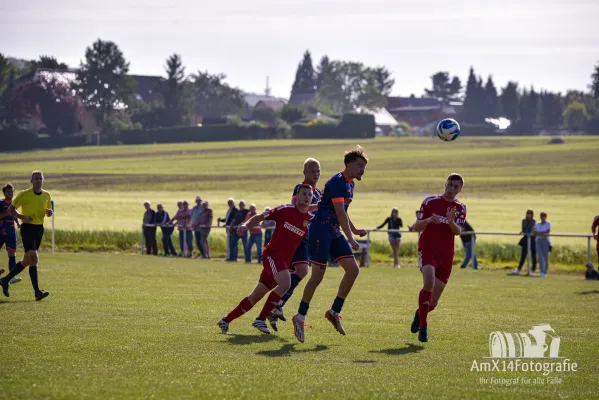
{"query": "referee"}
[(35, 205)]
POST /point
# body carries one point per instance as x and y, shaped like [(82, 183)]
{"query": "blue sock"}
[(295, 280), (12, 261), (303, 308), (338, 304)]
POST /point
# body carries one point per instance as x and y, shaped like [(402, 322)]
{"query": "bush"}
[(211, 133), (478, 130), (14, 137), (593, 126), (291, 113), (354, 125)]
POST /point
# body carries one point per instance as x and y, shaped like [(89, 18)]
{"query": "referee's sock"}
[(17, 269), (33, 276)]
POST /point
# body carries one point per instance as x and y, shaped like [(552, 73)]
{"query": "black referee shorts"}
[(31, 236)]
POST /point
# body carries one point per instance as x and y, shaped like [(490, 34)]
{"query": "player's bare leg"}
[(316, 277), (244, 306), (347, 282), (283, 280), (424, 302)]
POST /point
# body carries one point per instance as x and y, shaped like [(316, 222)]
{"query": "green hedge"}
[(350, 126), (478, 130), (211, 133)]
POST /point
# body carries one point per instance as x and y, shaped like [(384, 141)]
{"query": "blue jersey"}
[(339, 189), (7, 224), (316, 193)]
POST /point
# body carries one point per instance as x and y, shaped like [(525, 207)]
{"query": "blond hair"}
[(310, 161)]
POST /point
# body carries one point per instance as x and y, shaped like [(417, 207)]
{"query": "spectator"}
[(162, 220), (528, 226), (237, 220), (542, 231), (394, 222), (149, 229), (183, 218), (196, 211), (594, 228), (591, 273), (269, 227), (205, 223), (469, 242), (255, 238), (232, 210)]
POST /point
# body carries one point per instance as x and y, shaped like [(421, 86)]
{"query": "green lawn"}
[(127, 326), (102, 188)]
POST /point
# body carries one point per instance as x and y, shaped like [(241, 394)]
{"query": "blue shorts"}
[(323, 247), (302, 253), (10, 239)]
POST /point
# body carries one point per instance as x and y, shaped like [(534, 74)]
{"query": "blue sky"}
[(552, 44)]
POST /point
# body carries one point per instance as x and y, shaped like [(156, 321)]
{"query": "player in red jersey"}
[(292, 226), (439, 219), (595, 230)]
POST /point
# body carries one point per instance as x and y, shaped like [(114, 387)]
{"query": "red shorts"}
[(270, 267), (441, 261)]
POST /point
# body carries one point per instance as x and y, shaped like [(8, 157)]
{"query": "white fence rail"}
[(366, 247)]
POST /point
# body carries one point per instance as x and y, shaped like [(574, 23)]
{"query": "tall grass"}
[(490, 253)]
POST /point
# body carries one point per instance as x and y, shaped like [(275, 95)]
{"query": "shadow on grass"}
[(16, 301), (590, 292), (251, 339), (409, 348), (288, 349), (364, 362)]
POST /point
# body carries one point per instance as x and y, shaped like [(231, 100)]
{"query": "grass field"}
[(127, 326), (101, 188)]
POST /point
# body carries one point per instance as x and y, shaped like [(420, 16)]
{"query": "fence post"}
[(53, 237), (588, 249), (528, 252), (472, 244), (368, 250), (142, 240)]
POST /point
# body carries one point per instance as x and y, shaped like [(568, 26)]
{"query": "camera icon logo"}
[(539, 342)]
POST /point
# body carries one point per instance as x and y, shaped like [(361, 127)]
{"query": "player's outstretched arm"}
[(255, 220), (13, 212)]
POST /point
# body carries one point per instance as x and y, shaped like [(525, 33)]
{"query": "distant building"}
[(276, 105), (420, 111)]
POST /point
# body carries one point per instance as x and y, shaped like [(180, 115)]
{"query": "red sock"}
[(424, 300), (271, 303), (238, 311)]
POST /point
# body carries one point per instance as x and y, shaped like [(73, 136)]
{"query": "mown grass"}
[(102, 188), (134, 327)]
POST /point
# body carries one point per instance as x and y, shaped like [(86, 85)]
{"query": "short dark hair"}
[(456, 177), (304, 186), (7, 186), (355, 153)]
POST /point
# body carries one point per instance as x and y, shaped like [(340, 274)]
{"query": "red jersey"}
[(292, 227), (439, 237)]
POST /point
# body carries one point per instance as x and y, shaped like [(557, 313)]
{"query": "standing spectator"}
[(394, 222), (237, 220), (528, 227), (183, 218), (162, 219), (205, 223), (196, 211), (469, 242), (149, 228), (255, 238), (595, 230), (231, 211), (269, 228), (542, 231)]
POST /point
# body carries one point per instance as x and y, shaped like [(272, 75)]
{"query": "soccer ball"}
[(448, 129)]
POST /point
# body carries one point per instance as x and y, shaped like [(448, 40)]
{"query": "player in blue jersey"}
[(326, 240), (8, 234), (301, 259)]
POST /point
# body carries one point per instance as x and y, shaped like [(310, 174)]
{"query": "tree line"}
[(103, 88)]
